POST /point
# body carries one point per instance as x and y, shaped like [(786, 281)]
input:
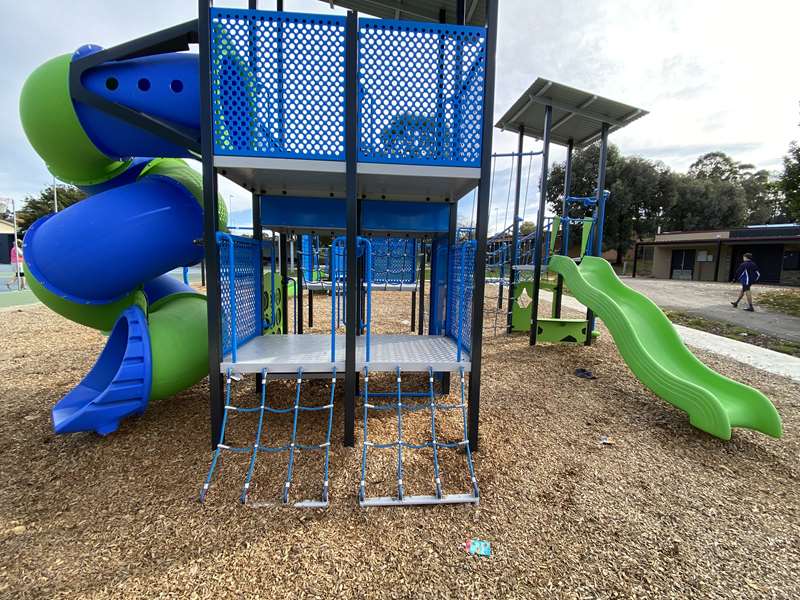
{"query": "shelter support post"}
[(537, 249), (600, 210), (559, 293), (515, 230)]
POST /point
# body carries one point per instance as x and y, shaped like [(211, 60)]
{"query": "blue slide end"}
[(118, 385)]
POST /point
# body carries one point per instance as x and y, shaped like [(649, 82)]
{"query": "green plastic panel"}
[(656, 354)]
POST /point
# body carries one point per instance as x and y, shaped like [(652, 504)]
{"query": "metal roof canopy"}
[(417, 10), (577, 115)]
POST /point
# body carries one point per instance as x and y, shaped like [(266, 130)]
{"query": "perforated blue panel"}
[(394, 260), (461, 280), (420, 92), (245, 302), (278, 84)]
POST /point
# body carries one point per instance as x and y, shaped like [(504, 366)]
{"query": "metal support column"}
[(351, 156), (537, 249), (515, 230), (481, 227), (635, 259), (298, 285), (452, 227), (559, 293), (600, 212), (210, 226), (284, 267), (422, 263)]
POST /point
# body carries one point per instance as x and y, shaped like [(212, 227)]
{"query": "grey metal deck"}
[(312, 352)]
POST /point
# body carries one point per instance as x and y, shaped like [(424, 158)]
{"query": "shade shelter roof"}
[(577, 115)]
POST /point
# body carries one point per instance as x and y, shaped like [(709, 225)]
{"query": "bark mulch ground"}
[(590, 489)]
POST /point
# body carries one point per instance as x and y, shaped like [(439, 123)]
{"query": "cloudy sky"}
[(716, 74)]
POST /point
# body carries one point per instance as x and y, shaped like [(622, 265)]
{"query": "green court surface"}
[(15, 298)]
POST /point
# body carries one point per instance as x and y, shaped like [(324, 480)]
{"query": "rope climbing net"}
[(404, 404), (264, 410)]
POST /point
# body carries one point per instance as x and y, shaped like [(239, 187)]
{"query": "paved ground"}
[(755, 356), (712, 300)]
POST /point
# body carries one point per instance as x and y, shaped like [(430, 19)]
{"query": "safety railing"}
[(461, 280), (240, 290), (278, 88), (394, 261), (339, 289)]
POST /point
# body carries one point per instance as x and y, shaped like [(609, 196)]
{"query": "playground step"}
[(291, 448), (400, 444)]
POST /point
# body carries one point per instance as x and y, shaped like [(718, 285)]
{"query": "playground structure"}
[(327, 121)]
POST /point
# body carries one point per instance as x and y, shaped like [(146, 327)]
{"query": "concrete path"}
[(756, 356), (712, 301)]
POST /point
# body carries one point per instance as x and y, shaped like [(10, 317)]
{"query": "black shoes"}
[(750, 309), (735, 304)]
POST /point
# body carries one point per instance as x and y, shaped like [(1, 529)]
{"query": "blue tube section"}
[(164, 86), (163, 286), (101, 248)]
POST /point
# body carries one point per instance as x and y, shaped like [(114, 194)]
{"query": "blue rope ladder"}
[(400, 444), (292, 447)]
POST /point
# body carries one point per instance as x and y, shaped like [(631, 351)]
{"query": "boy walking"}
[(747, 274)]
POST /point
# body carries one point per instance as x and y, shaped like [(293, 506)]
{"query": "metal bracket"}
[(173, 39)]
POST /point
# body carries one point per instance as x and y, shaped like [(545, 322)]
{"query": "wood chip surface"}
[(666, 511)]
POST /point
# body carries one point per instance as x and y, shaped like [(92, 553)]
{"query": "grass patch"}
[(735, 332), (782, 301)]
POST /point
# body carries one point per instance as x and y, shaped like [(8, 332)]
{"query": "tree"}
[(637, 197), (790, 181), (36, 207), (527, 227), (720, 167)]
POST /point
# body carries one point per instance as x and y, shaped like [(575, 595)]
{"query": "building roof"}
[(577, 115), (416, 10)]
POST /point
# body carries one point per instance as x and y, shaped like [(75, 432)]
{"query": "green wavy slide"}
[(655, 353)]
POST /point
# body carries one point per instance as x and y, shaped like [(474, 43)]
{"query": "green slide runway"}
[(655, 353)]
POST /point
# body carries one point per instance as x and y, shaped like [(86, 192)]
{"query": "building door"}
[(682, 266), (768, 257)]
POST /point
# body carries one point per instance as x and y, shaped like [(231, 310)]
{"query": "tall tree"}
[(637, 196), (720, 167), (38, 206), (790, 181)]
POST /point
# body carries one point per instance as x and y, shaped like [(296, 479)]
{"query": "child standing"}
[(747, 274)]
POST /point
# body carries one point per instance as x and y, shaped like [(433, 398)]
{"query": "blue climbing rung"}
[(400, 444), (292, 447)]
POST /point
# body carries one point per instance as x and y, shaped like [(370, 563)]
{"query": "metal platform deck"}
[(312, 352)]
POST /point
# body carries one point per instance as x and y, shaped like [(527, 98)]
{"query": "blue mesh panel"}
[(420, 92), (247, 291), (394, 260), (461, 280), (278, 84)]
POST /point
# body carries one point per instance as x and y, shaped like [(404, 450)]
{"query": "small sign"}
[(524, 300)]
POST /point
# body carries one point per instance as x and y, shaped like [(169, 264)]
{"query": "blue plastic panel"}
[(461, 280), (243, 306), (303, 213), (404, 217), (394, 260), (278, 84), (420, 92)]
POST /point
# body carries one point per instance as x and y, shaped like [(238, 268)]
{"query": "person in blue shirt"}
[(747, 274)]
